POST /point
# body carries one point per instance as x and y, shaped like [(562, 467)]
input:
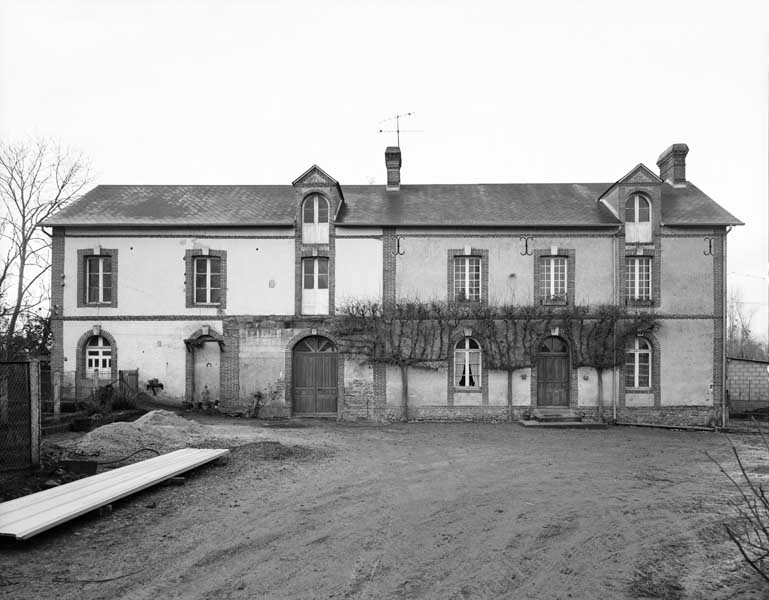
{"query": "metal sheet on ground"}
[(27, 516)]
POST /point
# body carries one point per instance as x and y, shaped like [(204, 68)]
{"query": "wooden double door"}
[(553, 372), (315, 369)]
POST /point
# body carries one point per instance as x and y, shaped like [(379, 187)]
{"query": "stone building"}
[(228, 290)]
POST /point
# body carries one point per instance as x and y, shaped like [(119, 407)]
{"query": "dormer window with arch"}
[(315, 220), (638, 219)]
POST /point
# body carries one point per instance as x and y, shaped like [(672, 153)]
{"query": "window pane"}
[(309, 210), (559, 277), (474, 368), (630, 278), (322, 210), (459, 368), (459, 279), (106, 264), (200, 295), (308, 265), (201, 266), (643, 369), (93, 293), (643, 210), (216, 281), (544, 279), (630, 210), (474, 278), (644, 278), (216, 296), (215, 265), (106, 294), (630, 370)]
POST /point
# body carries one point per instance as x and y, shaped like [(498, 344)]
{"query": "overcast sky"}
[(256, 92)]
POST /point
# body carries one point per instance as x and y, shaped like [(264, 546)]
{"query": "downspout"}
[(723, 330), (615, 301)]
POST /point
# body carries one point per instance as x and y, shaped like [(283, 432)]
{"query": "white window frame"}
[(463, 284), (315, 231), (315, 299), (98, 260), (548, 263), (98, 359), (635, 351), (633, 278), (207, 260), (462, 363)]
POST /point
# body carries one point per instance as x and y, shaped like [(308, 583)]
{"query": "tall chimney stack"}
[(672, 164), (393, 164)]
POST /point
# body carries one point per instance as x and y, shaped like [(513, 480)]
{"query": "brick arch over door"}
[(80, 357), (189, 361), (572, 373), (289, 366)]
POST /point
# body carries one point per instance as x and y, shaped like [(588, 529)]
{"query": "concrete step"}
[(555, 414), (563, 424)]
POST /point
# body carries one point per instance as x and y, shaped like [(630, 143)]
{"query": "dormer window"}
[(638, 219), (315, 220)]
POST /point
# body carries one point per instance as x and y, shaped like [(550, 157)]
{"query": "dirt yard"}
[(411, 511)]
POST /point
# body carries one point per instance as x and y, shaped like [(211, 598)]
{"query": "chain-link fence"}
[(16, 416)]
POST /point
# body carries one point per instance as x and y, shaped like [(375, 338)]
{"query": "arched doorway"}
[(553, 372), (315, 376)]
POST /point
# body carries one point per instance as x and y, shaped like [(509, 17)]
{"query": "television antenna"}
[(397, 131)]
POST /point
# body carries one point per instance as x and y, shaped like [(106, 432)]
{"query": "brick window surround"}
[(82, 285), (81, 349), (655, 374), (540, 295), (475, 253), (483, 386), (654, 256), (189, 276)]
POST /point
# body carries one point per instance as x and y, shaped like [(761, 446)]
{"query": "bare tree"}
[(409, 334), (37, 178), (740, 341)]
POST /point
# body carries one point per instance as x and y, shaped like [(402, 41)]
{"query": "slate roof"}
[(541, 204)]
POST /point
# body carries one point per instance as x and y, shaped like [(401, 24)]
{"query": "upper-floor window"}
[(467, 364), (638, 219), (467, 278), (638, 278), (205, 278), (208, 279), (315, 286), (315, 220), (638, 360), (98, 357), (98, 275), (553, 279)]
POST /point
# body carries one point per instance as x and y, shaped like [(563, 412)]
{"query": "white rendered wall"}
[(358, 269), (156, 348), (150, 280)]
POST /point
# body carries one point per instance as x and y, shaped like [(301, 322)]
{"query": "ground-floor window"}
[(467, 364), (98, 358), (638, 361)]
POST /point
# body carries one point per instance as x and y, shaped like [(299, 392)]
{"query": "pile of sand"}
[(160, 430)]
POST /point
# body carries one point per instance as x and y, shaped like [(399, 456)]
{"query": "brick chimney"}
[(393, 164), (672, 164)]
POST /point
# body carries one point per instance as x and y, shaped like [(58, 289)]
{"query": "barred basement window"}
[(638, 361), (467, 364), (467, 278), (208, 279), (638, 278)]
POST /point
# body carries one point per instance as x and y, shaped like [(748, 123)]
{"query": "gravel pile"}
[(160, 430)]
